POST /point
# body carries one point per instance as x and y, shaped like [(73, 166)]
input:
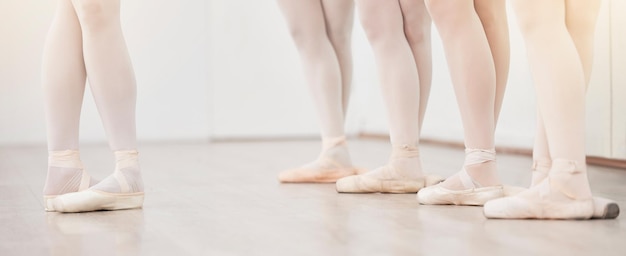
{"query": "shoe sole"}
[(389, 187), (438, 195), (88, 201), (330, 176), (366, 185), (576, 210)]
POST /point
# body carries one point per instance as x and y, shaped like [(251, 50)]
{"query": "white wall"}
[(228, 69)]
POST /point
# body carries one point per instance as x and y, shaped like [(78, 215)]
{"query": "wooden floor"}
[(223, 199)]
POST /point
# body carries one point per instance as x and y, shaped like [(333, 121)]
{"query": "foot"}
[(324, 170), (603, 208), (333, 163), (385, 180), (474, 185), (403, 174), (66, 174), (121, 190), (564, 194)]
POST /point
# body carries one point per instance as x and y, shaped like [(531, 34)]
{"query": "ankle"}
[(126, 160), (570, 177), (65, 159), (406, 161), (336, 149), (481, 166), (541, 168)]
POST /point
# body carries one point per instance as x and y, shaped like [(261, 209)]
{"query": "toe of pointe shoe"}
[(438, 195), (349, 185), (297, 176), (604, 208), (431, 180), (48, 203), (429, 195), (507, 208), (315, 175), (285, 177)]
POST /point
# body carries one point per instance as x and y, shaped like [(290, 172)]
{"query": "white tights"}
[(580, 20), (399, 34), (475, 39), (85, 41), (322, 30)]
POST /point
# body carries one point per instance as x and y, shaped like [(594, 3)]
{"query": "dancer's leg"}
[(112, 82), (320, 64), (492, 14), (559, 79), (109, 70), (474, 79), (63, 78), (64, 86), (417, 28), (580, 19), (339, 17), (384, 26), (323, 68), (399, 80)]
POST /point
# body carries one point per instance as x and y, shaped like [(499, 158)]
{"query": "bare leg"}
[(112, 81), (560, 83), (322, 35), (64, 85)]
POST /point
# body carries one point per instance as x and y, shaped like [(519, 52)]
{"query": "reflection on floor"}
[(223, 199)]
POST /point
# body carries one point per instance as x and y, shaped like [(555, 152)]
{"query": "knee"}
[(533, 26), (418, 31), (582, 23), (492, 17), (95, 14), (447, 13), (340, 37), (306, 38), (380, 33)]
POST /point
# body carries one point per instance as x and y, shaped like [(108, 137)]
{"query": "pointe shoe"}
[(97, 200), (530, 205), (94, 200), (603, 208), (473, 195), (384, 181), (549, 199), (325, 170), (83, 181)]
